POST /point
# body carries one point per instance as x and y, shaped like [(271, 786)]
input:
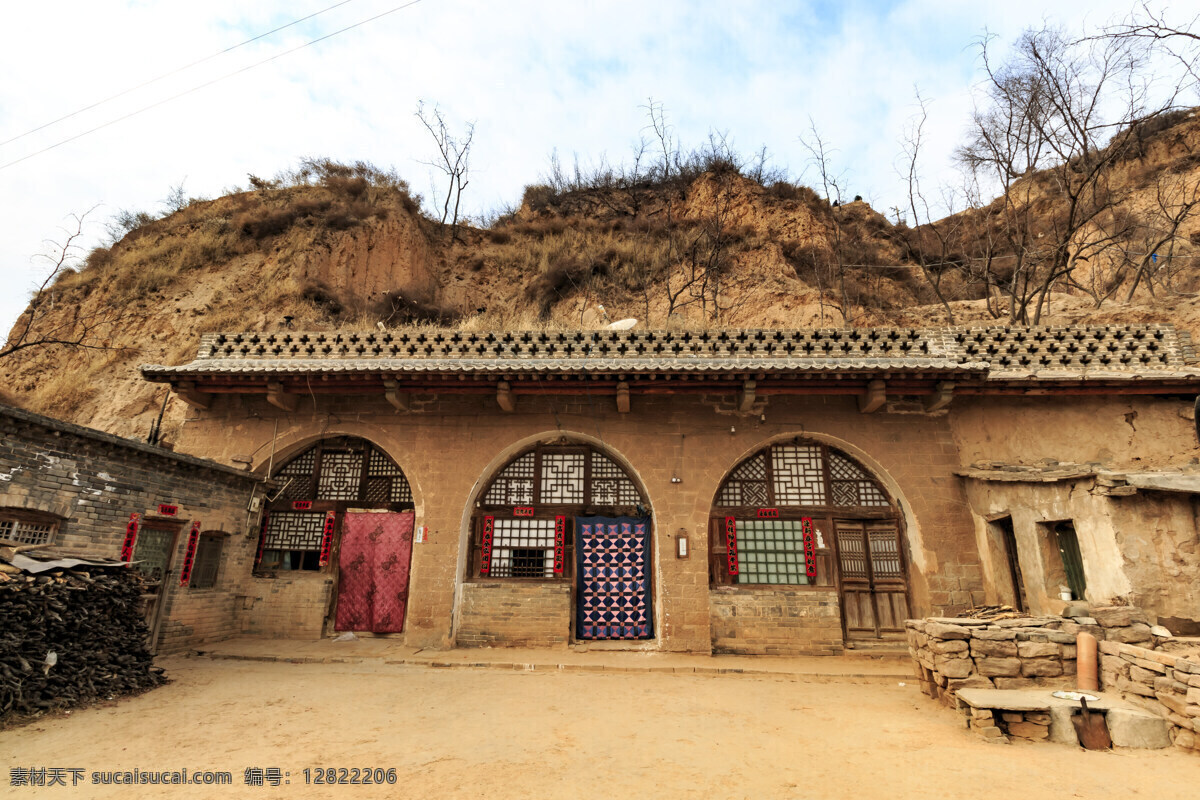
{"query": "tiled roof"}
[(1108, 352)]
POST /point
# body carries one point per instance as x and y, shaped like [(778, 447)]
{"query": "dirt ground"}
[(513, 734)]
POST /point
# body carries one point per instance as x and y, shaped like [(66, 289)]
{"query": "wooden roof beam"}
[(940, 397), (873, 397), (189, 394), (281, 399), (623, 397)]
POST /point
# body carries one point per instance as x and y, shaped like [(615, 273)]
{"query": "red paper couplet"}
[(523, 511), (189, 557), (731, 554), (768, 513), (327, 537), (485, 556), (166, 510), (560, 543), (131, 533), (301, 505), (810, 547)]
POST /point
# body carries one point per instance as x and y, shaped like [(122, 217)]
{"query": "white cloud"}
[(535, 75)]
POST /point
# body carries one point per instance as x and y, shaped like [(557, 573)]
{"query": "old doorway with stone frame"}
[(343, 510), (783, 507), (567, 512)]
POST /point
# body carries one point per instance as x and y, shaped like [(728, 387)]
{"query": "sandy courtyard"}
[(491, 733)]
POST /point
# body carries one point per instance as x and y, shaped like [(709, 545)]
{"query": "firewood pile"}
[(71, 636)]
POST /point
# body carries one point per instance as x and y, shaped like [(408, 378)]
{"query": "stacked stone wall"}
[(514, 614), (1166, 684)]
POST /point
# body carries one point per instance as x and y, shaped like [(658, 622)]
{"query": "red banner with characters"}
[(131, 534), (189, 555)]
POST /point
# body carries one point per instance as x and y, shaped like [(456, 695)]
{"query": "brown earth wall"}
[(449, 447), (292, 607), (776, 621)]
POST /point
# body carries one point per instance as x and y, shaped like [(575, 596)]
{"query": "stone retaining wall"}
[(952, 653), (1163, 683)]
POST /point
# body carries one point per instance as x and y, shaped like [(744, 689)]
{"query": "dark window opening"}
[(207, 563), (1072, 558)]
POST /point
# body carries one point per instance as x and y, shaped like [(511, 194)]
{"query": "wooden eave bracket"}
[(873, 397), (277, 397), (940, 397), (189, 394), (505, 397), (746, 397), (623, 397), (401, 401)]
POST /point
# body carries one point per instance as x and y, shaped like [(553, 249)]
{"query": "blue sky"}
[(534, 76)]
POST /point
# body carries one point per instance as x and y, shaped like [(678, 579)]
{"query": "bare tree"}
[(820, 159), (1055, 119), (1153, 30), (38, 327), (454, 160)]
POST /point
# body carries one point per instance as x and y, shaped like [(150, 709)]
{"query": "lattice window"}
[(850, 485), (798, 475), (771, 552), (610, 485), (297, 475), (207, 563), (26, 532), (341, 475), (562, 478), (885, 554), (851, 553), (522, 548), (514, 485), (747, 485), (294, 531)]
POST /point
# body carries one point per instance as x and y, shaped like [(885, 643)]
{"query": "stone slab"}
[(1139, 729)]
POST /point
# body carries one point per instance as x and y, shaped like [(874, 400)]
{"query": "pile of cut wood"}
[(70, 635)]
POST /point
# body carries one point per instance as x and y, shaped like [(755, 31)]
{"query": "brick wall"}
[(289, 607), (678, 448), (776, 621), (514, 614), (91, 482)]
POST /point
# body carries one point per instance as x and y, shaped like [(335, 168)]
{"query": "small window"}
[(292, 541), (23, 528), (208, 561), (767, 552)]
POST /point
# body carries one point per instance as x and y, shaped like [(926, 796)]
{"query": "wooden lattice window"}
[(208, 561), (798, 475), (524, 523), (347, 470), (25, 528), (774, 515)]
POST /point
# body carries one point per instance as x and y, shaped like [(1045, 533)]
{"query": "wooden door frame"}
[(173, 527), (864, 526)]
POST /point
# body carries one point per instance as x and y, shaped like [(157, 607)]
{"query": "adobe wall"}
[(1120, 432), (288, 606), (1143, 547), (449, 447), (92, 482)]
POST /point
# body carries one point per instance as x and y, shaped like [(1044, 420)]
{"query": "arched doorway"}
[(783, 508), (568, 513), (344, 502)]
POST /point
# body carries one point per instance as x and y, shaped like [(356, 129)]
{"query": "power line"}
[(172, 72), (206, 84)]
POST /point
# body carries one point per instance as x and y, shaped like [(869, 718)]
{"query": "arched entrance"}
[(567, 513), (343, 501), (784, 509)]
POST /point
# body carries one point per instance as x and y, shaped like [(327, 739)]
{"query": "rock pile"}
[(997, 725)]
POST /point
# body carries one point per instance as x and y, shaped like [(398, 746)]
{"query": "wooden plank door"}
[(874, 589), (154, 553)]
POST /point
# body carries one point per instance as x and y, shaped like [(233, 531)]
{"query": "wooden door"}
[(874, 589), (153, 555), (374, 557)]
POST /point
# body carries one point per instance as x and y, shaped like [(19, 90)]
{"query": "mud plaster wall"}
[(1142, 547), (450, 446), (1119, 432), (93, 485)]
